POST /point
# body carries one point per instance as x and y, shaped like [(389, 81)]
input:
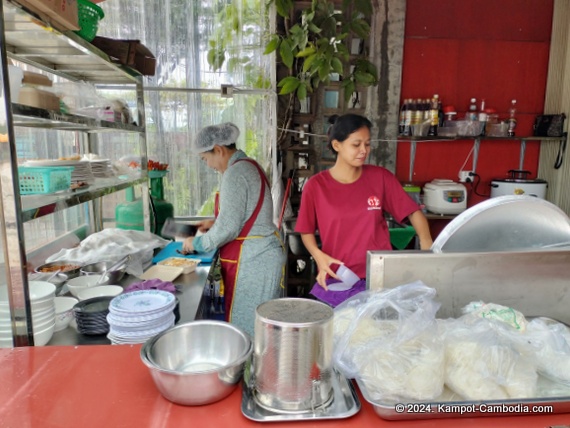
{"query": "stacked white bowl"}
[(42, 303)]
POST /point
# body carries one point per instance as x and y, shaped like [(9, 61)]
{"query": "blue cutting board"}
[(170, 251)]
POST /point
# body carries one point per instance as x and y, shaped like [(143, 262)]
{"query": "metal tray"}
[(450, 406), (345, 403)]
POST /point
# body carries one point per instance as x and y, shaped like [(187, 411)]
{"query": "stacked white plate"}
[(42, 303), (102, 168), (81, 172), (136, 316)]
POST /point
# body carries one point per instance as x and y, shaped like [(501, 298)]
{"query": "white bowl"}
[(63, 311), (100, 291), (42, 337), (41, 290), (79, 283)]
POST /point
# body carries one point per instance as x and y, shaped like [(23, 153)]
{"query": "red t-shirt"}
[(350, 217)]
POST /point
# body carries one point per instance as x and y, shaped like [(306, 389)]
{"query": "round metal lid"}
[(506, 223), (294, 311)]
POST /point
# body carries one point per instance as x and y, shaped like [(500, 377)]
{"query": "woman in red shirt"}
[(346, 204)]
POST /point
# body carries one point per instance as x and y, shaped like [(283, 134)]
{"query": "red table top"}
[(107, 386)]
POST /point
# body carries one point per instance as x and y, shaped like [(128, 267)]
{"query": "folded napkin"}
[(335, 298), (152, 284)]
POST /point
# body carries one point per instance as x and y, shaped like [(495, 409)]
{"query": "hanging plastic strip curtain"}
[(187, 37)]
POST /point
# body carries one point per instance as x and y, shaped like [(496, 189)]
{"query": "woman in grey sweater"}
[(251, 252)]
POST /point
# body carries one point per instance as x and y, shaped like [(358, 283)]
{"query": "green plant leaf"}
[(308, 62), (324, 72), (310, 50), (361, 28), (348, 89), (286, 53), (364, 78), (272, 45), (313, 28), (283, 7), (336, 65), (288, 84)]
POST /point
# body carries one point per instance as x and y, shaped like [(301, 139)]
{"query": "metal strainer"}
[(292, 357)]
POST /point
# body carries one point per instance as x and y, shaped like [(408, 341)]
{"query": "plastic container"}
[(469, 128), (89, 16), (188, 265), (34, 180)]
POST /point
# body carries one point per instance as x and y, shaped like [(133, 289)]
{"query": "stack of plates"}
[(102, 168), (91, 315), (137, 316), (81, 173), (42, 303)]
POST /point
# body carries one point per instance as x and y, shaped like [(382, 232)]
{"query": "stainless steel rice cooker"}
[(518, 184), (442, 196)]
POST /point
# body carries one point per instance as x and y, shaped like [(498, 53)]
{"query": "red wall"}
[(496, 50)]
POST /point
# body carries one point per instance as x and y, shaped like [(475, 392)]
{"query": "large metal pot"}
[(292, 355), (519, 184)]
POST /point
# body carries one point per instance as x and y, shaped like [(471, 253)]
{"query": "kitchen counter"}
[(109, 386), (192, 288)]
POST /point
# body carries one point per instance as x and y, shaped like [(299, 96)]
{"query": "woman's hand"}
[(205, 225), (187, 245), (324, 262)]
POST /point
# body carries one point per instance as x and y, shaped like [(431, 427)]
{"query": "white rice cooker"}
[(519, 184), (442, 196)]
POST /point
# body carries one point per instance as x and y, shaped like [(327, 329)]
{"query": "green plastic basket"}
[(34, 180), (89, 15)]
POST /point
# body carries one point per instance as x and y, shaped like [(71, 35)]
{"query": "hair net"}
[(223, 135)]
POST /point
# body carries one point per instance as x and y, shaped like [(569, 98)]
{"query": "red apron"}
[(230, 253)]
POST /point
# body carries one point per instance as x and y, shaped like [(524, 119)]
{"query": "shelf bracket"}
[(476, 146), (522, 154), (412, 159)]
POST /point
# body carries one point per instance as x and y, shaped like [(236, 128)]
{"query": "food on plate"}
[(70, 158), (180, 262), (62, 268)]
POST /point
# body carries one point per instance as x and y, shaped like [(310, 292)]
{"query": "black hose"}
[(154, 214)]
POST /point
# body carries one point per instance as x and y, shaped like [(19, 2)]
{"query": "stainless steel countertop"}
[(192, 285)]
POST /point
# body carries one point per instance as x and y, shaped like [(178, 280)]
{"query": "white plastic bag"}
[(389, 341), (482, 364), (112, 245), (548, 343)]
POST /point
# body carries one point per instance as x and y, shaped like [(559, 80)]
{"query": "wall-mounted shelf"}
[(476, 146), (35, 206), (29, 40), (33, 117)]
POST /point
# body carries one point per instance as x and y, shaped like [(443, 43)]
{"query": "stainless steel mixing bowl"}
[(198, 362), (97, 268)]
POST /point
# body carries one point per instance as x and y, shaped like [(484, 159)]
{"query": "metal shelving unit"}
[(476, 146), (26, 38)]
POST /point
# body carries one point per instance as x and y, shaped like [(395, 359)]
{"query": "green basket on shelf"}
[(43, 180), (89, 16)]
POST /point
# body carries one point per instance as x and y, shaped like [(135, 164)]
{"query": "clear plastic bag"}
[(389, 341), (481, 362), (547, 342), (112, 245)]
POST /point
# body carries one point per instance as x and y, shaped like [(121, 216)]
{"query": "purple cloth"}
[(335, 298), (152, 284)]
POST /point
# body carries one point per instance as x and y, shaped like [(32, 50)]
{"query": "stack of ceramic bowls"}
[(137, 316), (91, 316), (42, 303)]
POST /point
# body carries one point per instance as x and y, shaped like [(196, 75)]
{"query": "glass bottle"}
[(512, 119)]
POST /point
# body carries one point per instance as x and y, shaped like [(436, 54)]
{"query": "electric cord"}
[(475, 184)]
